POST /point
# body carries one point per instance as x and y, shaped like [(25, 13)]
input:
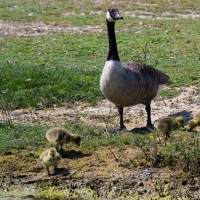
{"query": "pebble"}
[(140, 183)]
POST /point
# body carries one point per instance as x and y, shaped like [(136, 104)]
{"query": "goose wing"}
[(147, 71)]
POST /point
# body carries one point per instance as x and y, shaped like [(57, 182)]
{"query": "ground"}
[(106, 173)]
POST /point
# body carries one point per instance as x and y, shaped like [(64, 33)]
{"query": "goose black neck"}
[(113, 52)]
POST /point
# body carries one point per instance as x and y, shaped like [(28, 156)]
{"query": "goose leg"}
[(148, 110), (122, 127), (61, 151), (55, 170), (149, 125), (167, 135), (48, 174)]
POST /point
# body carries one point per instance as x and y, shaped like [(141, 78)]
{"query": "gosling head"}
[(192, 125), (52, 153), (181, 121), (76, 139), (113, 15)]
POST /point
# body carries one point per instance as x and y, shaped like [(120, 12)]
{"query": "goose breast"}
[(128, 84)]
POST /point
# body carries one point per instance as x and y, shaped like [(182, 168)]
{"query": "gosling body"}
[(181, 121), (58, 136), (166, 125), (50, 157), (194, 122)]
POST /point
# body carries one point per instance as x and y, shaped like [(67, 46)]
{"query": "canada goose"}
[(194, 122), (50, 157), (58, 136), (168, 124), (128, 84)]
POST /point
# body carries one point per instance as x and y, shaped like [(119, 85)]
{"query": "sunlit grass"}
[(61, 68)]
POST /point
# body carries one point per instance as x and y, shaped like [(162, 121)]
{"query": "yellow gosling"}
[(50, 157), (194, 122), (181, 121), (58, 136), (166, 125)]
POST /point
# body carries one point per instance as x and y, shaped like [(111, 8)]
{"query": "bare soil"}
[(20, 28)]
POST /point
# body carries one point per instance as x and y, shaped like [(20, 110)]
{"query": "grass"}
[(61, 68), (181, 152), (38, 72)]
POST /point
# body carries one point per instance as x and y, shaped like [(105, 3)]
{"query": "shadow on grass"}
[(187, 115), (141, 130), (72, 154)]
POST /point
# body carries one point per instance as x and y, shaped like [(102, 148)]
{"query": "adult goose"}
[(128, 84)]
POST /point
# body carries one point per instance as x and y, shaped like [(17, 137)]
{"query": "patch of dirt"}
[(20, 28), (105, 114), (103, 173), (39, 28)]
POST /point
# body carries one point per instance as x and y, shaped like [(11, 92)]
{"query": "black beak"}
[(118, 16)]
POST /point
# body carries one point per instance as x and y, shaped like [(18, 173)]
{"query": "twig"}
[(159, 139), (113, 154), (145, 52), (70, 175), (144, 151)]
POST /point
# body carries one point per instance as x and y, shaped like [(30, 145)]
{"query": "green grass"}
[(181, 152), (61, 68)]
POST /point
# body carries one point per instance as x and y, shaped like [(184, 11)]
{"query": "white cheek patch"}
[(109, 18)]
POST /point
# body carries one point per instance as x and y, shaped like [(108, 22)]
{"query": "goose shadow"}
[(62, 171), (187, 115), (141, 130), (72, 154)]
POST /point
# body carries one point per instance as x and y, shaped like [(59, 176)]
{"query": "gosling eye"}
[(176, 125)]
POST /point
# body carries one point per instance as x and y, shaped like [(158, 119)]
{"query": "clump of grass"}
[(20, 137), (41, 86), (181, 152)]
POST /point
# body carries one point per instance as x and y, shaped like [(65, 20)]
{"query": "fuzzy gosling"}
[(168, 124), (50, 157), (58, 136), (181, 121), (194, 122)]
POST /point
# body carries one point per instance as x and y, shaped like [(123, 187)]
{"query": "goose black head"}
[(113, 14)]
